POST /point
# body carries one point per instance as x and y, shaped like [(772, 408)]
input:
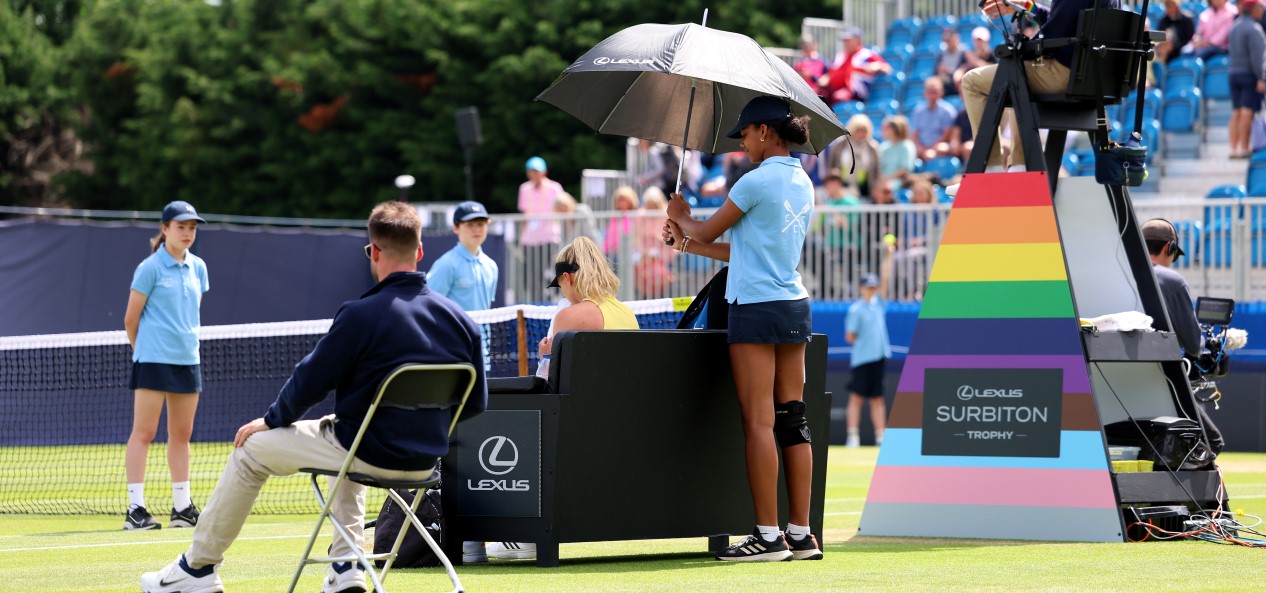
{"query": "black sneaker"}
[(139, 519), (755, 549), (185, 518), (805, 548)]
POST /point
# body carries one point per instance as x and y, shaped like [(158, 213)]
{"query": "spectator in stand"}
[(912, 256), (831, 238), (981, 53), (1214, 31), (1179, 28), (866, 176), (932, 121), (853, 70), (1248, 79), (536, 199), (953, 58), (625, 201), (810, 65), (651, 274), (581, 223), (897, 151)]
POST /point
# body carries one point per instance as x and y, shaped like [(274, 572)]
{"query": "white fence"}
[(1224, 240)]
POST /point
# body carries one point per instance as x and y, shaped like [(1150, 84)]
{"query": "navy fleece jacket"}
[(398, 321)]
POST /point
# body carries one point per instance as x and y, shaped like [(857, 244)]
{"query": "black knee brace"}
[(790, 426)]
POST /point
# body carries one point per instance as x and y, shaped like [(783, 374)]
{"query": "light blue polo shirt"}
[(765, 243), (168, 331), (866, 319), (468, 280)]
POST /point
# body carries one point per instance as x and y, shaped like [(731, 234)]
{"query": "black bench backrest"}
[(1104, 75)]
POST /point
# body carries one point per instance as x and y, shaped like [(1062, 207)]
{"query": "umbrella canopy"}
[(637, 83)]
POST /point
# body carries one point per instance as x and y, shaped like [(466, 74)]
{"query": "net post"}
[(521, 330)]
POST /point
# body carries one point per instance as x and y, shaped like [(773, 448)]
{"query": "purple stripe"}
[(1076, 379), (997, 336)]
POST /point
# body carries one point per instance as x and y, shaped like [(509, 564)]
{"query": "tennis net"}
[(66, 410)]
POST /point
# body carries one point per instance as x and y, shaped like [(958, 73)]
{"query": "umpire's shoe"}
[(139, 519), (179, 578), (185, 518)]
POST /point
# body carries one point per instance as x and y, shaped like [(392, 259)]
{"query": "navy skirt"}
[(168, 378), (773, 322)]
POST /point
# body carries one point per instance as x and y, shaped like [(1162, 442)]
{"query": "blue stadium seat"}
[(903, 194), (847, 109), (929, 36), (1216, 84), (877, 111), (1217, 222), (1184, 72), (898, 57), (902, 31), (923, 66), (941, 196), (886, 86), (955, 101), (1227, 191), (968, 23), (1127, 113), (910, 91), (1069, 163), (1189, 239), (944, 167), (1255, 185), (1180, 111)]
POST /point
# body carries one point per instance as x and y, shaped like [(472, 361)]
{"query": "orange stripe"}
[(1032, 224)]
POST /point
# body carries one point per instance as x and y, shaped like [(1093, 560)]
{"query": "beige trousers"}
[(1045, 77), (281, 452)]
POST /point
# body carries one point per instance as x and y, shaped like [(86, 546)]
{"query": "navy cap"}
[(469, 211), (760, 110), (178, 211), (870, 280)]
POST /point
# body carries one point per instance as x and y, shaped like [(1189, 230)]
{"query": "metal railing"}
[(874, 16)]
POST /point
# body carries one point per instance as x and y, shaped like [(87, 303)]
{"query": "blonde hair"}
[(625, 192), (594, 278), (563, 202), (900, 126), (654, 199)]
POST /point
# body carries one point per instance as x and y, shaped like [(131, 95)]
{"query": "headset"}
[(1172, 246)]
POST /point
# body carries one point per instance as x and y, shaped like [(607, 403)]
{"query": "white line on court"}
[(119, 544)]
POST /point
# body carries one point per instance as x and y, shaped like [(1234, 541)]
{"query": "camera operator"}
[(1161, 237)]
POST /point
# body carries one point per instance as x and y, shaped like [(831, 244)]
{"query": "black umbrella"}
[(642, 83)]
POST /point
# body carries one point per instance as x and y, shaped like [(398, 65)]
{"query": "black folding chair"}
[(411, 387)]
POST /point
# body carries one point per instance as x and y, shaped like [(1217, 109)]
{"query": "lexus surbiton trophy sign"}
[(501, 464), (992, 412)]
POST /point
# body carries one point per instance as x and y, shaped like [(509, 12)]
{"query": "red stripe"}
[(993, 190)]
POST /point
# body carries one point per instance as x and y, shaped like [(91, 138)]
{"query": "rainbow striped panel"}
[(997, 300)]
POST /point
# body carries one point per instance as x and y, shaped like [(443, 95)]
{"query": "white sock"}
[(797, 532), (1017, 169), (768, 533), (180, 495), (852, 432), (996, 169), (135, 495)]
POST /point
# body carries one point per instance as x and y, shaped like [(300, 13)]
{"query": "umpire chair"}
[(411, 387)]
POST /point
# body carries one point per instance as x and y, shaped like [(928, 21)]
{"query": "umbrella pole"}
[(685, 140)]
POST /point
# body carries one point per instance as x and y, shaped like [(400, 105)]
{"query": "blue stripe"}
[(1078, 449)]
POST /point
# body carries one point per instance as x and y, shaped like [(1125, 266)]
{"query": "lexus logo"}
[(967, 392), (498, 455), (604, 61)]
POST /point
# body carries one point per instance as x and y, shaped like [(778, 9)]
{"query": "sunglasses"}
[(369, 251)]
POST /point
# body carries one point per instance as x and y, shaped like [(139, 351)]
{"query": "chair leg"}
[(307, 550), (439, 552)]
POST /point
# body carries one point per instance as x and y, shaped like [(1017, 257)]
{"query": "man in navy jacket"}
[(398, 321)]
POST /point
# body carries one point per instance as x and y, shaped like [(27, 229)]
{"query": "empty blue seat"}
[(923, 66), (944, 167), (1184, 72), (1227, 191), (886, 86), (955, 101), (1180, 111), (902, 31), (878, 110), (1189, 240), (929, 36), (912, 90), (1255, 185), (1217, 83), (898, 57), (847, 109)]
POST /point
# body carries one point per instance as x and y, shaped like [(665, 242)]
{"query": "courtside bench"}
[(637, 435)]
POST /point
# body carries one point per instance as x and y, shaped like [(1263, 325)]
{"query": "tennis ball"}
[(890, 239)]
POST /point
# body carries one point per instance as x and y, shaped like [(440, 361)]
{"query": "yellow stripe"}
[(995, 262)]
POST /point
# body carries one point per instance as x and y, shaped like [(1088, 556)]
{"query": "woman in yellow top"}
[(584, 275)]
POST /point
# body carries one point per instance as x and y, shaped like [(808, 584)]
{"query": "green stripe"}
[(993, 300)]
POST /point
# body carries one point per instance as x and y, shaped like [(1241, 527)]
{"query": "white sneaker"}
[(511, 551), (1017, 169), (474, 552), (178, 578), (351, 579), (853, 441)]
